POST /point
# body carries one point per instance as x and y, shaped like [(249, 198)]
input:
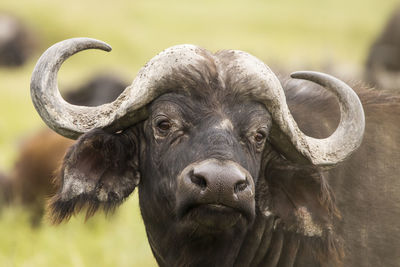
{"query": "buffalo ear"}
[(99, 171)]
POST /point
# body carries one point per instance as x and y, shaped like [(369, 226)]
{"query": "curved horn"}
[(349, 133), (263, 86), (297, 146), (70, 120)]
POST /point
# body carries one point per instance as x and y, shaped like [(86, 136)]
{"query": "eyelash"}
[(164, 125)]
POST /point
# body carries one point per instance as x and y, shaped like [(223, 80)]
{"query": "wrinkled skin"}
[(296, 220), (213, 190), (227, 131), (287, 220)]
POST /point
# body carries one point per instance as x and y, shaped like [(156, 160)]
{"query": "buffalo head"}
[(17, 41), (195, 131)]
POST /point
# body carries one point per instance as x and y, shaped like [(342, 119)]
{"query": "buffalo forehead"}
[(229, 111)]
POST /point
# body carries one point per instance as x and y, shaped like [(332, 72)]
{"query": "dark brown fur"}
[(366, 186), (304, 216)]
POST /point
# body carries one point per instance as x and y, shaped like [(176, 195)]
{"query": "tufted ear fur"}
[(300, 197), (99, 171)]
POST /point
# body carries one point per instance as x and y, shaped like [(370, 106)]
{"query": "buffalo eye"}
[(260, 136), (163, 125)]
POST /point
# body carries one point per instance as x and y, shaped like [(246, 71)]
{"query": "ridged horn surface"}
[(130, 107)]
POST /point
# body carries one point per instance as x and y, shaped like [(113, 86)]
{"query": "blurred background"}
[(330, 35)]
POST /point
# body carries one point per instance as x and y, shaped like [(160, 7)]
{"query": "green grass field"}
[(282, 32)]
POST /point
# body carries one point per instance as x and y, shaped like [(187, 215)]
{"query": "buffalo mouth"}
[(215, 194), (214, 217)]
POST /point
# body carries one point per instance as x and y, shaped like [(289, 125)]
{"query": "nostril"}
[(198, 180), (240, 186)]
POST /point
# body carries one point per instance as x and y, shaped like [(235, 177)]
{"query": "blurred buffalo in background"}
[(383, 62), (30, 181), (100, 89), (17, 41), (4, 189)]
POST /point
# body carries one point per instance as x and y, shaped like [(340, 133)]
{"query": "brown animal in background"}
[(32, 176)]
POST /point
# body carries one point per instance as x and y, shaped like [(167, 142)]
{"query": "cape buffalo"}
[(17, 41), (383, 62), (30, 182), (225, 175)]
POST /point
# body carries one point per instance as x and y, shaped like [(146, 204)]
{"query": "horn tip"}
[(108, 47), (89, 43), (300, 74), (104, 46)]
